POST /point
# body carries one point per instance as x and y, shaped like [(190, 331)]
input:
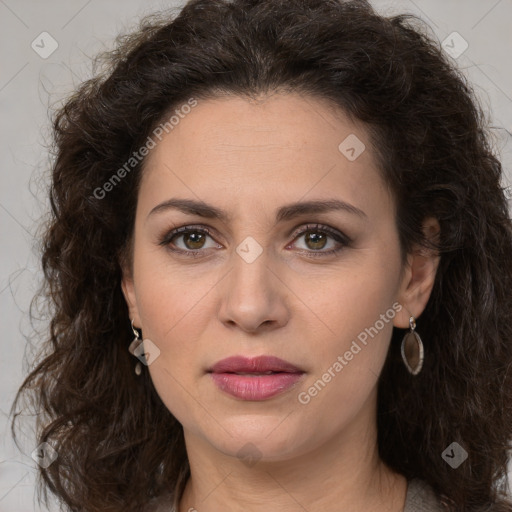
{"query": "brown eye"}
[(317, 238), (316, 241), (193, 239), (188, 240)]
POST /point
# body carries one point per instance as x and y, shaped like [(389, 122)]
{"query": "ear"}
[(419, 277), (128, 288)]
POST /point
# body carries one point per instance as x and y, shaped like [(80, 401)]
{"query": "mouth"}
[(255, 379), (261, 365)]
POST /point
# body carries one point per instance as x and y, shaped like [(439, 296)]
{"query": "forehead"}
[(285, 146), (230, 125)]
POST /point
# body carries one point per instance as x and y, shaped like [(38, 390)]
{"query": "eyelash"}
[(315, 228)]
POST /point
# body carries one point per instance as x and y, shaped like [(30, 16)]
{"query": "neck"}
[(344, 473)]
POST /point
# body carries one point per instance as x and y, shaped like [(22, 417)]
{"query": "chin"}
[(254, 440)]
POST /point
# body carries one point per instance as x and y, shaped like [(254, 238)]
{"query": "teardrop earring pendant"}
[(412, 349)]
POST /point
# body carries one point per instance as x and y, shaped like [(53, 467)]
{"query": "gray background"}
[(29, 84)]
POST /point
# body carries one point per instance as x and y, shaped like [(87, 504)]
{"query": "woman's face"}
[(259, 283)]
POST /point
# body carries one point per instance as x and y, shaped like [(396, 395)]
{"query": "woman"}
[(279, 264)]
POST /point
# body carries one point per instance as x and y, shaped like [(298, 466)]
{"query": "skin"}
[(250, 158)]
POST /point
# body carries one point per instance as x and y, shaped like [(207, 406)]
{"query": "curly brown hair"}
[(118, 445)]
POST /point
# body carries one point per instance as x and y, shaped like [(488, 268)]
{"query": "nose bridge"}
[(250, 267), (250, 279), (252, 294)]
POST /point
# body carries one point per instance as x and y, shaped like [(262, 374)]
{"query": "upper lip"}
[(260, 364)]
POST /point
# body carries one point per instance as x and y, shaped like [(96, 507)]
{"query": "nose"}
[(253, 296)]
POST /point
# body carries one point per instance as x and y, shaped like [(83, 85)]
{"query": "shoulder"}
[(421, 497)]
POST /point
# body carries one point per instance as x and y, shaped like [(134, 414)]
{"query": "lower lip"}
[(255, 387)]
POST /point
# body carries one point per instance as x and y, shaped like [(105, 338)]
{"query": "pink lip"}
[(241, 364), (260, 386)]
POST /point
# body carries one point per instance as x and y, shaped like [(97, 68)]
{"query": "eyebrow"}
[(283, 213)]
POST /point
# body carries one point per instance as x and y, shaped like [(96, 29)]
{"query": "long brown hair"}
[(118, 445)]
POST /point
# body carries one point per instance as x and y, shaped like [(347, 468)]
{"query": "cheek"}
[(353, 299), (356, 309), (171, 309), (354, 348), (349, 358), (171, 296), (173, 319)]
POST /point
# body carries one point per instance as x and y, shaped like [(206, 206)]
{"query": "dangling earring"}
[(412, 349), (133, 345)]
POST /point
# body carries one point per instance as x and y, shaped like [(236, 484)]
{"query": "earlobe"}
[(419, 277)]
